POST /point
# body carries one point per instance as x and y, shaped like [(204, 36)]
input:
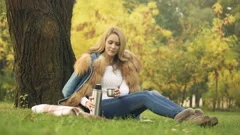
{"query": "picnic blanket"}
[(59, 110)]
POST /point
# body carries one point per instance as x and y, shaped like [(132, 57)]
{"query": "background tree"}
[(40, 32), (7, 84), (219, 56)]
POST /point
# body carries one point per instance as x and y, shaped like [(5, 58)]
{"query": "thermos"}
[(97, 98)]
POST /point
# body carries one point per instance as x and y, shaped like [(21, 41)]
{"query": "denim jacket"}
[(76, 82)]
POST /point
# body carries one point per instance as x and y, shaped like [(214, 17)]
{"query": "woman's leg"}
[(158, 95), (195, 116), (136, 103)]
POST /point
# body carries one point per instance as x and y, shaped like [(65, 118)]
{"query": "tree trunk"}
[(40, 31), (198, 97), (2, 64), (215, 99), (184, 93), (190, 99)]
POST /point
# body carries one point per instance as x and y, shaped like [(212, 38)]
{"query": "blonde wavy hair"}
[(100, 45)]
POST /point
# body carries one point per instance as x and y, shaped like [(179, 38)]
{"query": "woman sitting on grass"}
[(109, 64)]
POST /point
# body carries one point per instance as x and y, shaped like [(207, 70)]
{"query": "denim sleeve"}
[(71, 85)]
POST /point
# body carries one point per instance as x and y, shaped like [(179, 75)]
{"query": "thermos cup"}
[(110, 92)]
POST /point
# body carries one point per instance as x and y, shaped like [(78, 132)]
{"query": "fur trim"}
[(132, 58), (131, 79), (82, 64), (129, 71)]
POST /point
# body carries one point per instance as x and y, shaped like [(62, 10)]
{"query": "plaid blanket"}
[(59, 110)]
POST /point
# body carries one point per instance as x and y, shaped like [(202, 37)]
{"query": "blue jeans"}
[(132, 105)]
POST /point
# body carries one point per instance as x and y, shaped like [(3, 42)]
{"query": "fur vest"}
[(129, 70)]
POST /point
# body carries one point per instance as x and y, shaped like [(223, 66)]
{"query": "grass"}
[(23, 122)]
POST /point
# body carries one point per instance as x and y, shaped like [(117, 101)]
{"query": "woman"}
[(109, 64)]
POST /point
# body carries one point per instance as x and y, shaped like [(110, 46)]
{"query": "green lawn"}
[(24, 122)]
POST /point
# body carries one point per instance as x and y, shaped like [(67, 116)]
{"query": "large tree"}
[(40, 31)]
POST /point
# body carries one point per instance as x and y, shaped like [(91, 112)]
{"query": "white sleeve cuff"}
[(84, 101)]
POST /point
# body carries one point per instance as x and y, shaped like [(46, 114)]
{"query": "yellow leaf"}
[(217, 8)]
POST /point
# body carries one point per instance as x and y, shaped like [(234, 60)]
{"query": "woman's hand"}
[(117, 93), (89, 104)]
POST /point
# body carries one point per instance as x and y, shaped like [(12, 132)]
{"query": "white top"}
[(111, 79)]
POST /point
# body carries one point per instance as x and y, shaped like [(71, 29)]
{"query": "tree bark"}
[(40, 31)]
